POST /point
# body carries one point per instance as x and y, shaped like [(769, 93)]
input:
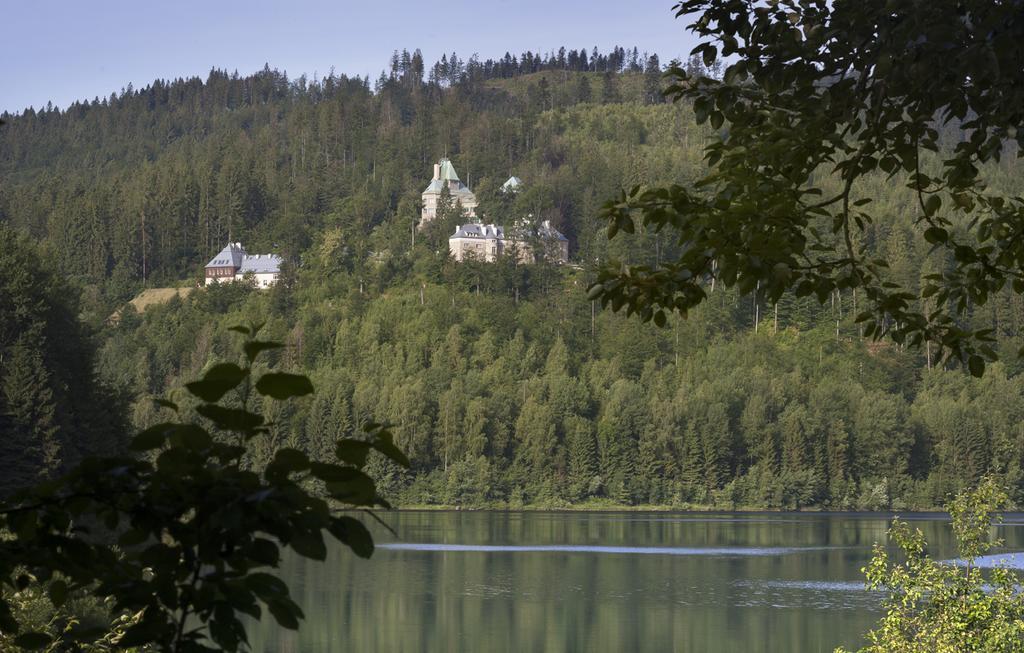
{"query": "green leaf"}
[(309, 544), (356, 488), (353, 452), (253, 348), (281, 385), (285, 612), (32, 641), (165, 403), (217, 381), (936, 235), (23, 580), (230, 419), (354, 534), (264, 551), (191, 437), (976, 364), (288, 460), (145, 632), (239, 329), (384, 442), (393, 453), (710, 54), (153, 437), (329, 472), (266, 586), (58, 591), (132, 537)]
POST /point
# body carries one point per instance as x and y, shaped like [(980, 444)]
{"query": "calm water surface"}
[(483, 581)]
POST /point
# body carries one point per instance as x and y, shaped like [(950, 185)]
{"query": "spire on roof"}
[(448, 170)]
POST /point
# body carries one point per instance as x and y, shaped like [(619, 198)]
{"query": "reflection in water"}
[(809, 595), (1013, 560), (816, 585), (640, 550), (483, 581)]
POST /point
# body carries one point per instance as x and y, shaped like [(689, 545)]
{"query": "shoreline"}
[(697, 509)]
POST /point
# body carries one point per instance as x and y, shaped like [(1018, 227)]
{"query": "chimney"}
[(437, 171)]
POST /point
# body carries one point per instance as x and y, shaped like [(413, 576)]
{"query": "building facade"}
[(233, 263), (481, 242), (486, 242), (445, 177)]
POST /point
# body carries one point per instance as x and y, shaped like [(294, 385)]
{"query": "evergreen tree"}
[(610, 89), (652, 81), (30, 446), (583, 460)]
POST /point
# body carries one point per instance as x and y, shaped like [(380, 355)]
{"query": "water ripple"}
[(1004, 560), (729, 551), (813, 594)]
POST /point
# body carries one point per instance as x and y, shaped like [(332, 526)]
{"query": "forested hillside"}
[(54, 410), (506, 386)]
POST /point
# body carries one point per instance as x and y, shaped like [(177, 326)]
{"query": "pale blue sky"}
[(67, 50)]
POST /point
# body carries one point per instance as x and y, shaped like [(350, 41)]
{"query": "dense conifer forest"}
[(505, 385)]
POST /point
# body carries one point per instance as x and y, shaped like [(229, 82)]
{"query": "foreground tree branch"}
[(816, 98), (178, 539)]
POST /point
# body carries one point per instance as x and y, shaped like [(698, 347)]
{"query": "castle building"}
[(234, 264), (486, 242), (445, 176), (483, 242)]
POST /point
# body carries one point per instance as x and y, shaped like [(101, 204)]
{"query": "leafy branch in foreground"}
[(819, 100), (182, 537), (942, 606)]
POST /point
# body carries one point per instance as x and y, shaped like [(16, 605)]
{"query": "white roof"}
[(478, 230), (520, 231), (512, 183), (234, 256), (261, 264)]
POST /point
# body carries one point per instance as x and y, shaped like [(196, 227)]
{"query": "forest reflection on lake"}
[(546, 581)]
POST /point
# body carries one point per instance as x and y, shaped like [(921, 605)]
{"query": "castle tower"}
[(445, 176)]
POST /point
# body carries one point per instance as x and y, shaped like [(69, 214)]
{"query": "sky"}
[(77, 50)]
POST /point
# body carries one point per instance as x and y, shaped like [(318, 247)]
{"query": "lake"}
[(598, 581)]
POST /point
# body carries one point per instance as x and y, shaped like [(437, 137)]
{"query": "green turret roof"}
[(446, 176), (448, 171)]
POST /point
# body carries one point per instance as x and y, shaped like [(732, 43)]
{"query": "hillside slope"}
[(505, 384)]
